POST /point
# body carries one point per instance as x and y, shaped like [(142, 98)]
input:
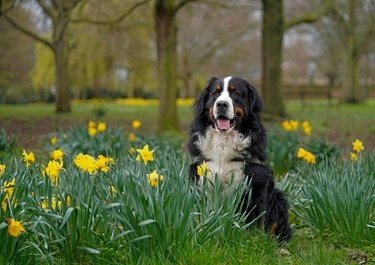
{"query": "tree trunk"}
[(351, 87), (350, 77), (272, 41), (166, 37), (61, 65)]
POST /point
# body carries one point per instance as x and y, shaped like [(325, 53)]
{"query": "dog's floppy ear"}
[(255, 100), (200, 102)]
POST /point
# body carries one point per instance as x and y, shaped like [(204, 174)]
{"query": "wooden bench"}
[(308, 92)]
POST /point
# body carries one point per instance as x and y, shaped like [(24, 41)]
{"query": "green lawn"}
[(339, 123)]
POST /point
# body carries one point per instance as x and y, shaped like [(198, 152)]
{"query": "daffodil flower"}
[(145, 154), (8, 190), (2, 169), (15, 228), (53, 140), (358, 145), (306, 128), (132, 137), (28, 157), (92, 131), (102, 126), (102, 162), (306, 155), (52, 170), (136, 124), (91, 124), (353, 156), (290, 125), (86, 163), (202, 169), (153, 178), (57, 155)]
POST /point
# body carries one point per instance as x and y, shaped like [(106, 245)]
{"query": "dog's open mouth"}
[(224, 124)]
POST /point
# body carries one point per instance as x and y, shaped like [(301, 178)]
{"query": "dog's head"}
[(228, 103)]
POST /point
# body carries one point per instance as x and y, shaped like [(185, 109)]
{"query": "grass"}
[(336, 123)]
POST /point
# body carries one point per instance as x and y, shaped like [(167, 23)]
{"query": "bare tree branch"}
[(4, 8), (337, 16), (110, 22), (46, 9), (182, 4), (227, 5), (28, 32), (309, 17)]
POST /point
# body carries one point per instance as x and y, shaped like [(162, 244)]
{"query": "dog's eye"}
[(217, 90), (235, 92)]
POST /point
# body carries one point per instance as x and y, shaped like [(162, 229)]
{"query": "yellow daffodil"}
[(15, 227), (43, 169), (310, 158), (112, 190), (202, 169), (301, 153), (8, 191), (358, 145), (306, 128), (2, 169), (52, 171), (53, 140), (136, 124), (306, 155), (91, 124), (290, 125), (92, 131), (68, 200), (153, 178), (353, 156), (145, 154), (28, 157), (102, 127), (86, 163), (132, 137), (57, 155), (102, 162), (54, 203)]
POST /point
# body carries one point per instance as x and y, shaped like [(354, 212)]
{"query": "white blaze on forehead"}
[(224, 96)]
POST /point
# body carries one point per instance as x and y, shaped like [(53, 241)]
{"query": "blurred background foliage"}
[(119, 59)]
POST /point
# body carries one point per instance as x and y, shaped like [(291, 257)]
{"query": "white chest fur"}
[(219, 149)]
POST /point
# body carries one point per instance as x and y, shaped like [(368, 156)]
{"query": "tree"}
[(273, 28), (165, 12), (61, 14), (206, 46), (16, 61), (354, 24)]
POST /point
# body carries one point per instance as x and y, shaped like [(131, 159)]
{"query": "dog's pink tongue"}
[(223, 124)]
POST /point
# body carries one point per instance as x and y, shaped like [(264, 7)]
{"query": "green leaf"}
[(66, 216), (147, 222), (3, 225), (89, 250)]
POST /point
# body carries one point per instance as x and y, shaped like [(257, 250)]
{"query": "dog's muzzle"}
[(224, 115)]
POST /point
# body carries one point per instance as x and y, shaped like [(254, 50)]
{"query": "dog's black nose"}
[(222, 105)]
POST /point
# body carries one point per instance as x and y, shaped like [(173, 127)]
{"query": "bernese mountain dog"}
[(227, 134)]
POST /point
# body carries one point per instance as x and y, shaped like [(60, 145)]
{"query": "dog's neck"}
[(222, 147)]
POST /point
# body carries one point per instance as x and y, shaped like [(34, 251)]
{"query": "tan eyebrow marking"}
[(218, 88), (232, 87)]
